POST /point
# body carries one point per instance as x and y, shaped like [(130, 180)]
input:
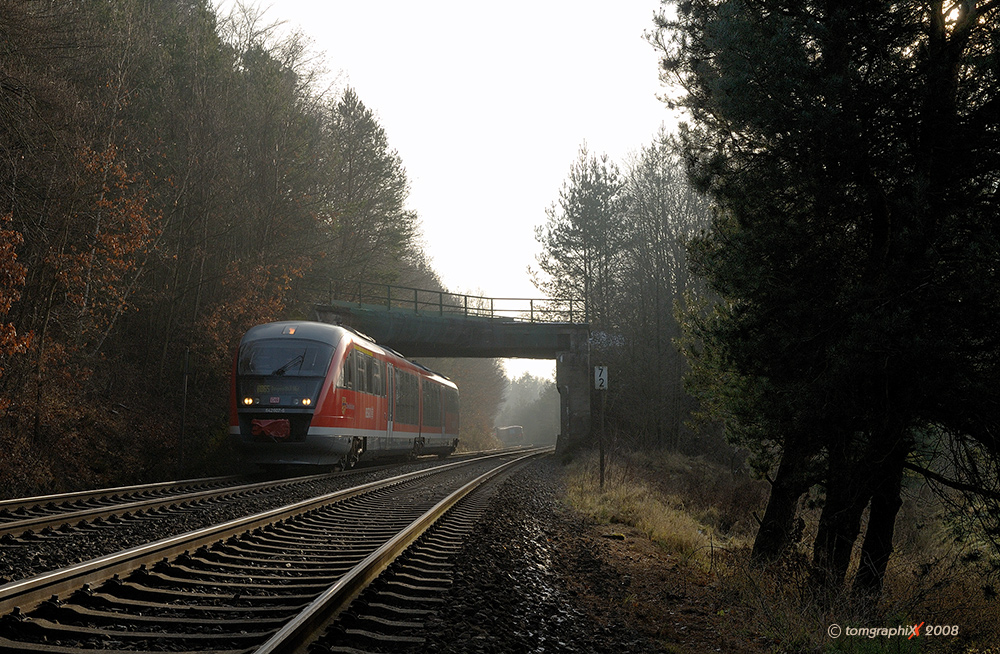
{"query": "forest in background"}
[(614, 242), (168, 178), (851, 153), (171, 177), (836, 306)]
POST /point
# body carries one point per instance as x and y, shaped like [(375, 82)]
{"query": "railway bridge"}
[(421, 323)]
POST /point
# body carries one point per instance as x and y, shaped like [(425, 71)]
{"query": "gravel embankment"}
[(511, 590)]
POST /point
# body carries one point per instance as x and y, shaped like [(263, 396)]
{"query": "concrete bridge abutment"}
[(573, 383)]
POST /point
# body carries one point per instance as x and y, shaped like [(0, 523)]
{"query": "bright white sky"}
[(488, 104)]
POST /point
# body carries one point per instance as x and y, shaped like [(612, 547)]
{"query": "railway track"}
[(389, 614), (265, 583), (64, 516), (46, 510), (41, 514), (85, 498)]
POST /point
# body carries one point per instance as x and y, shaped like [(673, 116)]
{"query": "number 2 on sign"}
[(601, 378)]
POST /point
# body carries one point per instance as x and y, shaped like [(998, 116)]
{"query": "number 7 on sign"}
[(601, 378)]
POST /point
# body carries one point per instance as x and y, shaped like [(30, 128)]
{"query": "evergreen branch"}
[(951, 483)]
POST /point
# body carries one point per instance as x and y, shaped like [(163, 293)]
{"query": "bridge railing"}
[(443, 303)]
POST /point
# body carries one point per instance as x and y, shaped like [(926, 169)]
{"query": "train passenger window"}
[(450, 400), (407, 398), (362, 371), (377, 387), (347, 371), (451, 409), (432, 404), (369, 379)]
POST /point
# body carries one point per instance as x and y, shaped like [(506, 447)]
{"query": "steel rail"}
[(23, 595), (296, 633), (55, 519), (17, 527), (47, 505), (16, 503)]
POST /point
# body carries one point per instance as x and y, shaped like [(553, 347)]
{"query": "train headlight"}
[(306, 401), (248, 400)]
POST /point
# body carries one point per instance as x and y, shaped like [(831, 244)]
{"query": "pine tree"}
[(581, 240), (364, 197), (851, 148)]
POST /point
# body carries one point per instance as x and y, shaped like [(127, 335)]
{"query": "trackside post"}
[(601, 384)]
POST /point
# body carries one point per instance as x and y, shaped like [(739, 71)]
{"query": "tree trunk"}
[(790, 482), (877, 546), (839, 526), (848, 491)]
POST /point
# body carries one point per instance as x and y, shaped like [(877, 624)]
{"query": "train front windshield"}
[(282, 372)]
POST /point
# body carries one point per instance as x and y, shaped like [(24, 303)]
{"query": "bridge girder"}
[(419, 335)]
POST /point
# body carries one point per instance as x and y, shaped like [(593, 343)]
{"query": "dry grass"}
[(701, 512), (788, 613), (671, 527), (684, 505)]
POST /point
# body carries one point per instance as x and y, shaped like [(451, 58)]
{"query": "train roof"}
[(314, 331), (331, 334)]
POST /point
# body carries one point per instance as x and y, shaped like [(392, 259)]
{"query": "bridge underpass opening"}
[(431, 324), (538, 368), (532, 400)]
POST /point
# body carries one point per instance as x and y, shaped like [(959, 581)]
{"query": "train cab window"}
[(284, 358)]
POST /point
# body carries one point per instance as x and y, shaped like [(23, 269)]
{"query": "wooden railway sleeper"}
[(244, 587), (183, 574), (431, 571), (423, 581), (276, 574), (339, 556), (77, 614), (390, 611), (386, 625), (99, 601), (279, 570), (12, 647), (363, 638), (412, 590), (40, 627), (102, 601), (164, 575), (261, 545), (272, 566), (140, 592)]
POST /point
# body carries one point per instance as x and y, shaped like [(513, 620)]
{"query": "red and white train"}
[(317, 394)]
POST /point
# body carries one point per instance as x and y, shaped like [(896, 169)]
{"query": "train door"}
[(390, 401)]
